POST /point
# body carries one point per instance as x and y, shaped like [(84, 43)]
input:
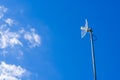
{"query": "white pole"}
[(93, 57)]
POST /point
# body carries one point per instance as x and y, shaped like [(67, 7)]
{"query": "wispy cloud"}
[(9, 21), (10, 38), (11, 72), (2, 11), (15, 38), (32, 38)]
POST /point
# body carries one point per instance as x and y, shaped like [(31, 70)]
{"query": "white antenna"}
[(84, 30)]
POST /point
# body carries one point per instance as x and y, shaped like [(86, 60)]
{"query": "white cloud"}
[(9, 21), (17, 39), (11, 72), (13, 39), (15, 36), (2, 11), (33, 38), (9, 39)]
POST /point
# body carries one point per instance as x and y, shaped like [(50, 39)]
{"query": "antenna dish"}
[(84, 29)]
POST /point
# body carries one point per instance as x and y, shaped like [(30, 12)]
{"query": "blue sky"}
[(45, 41)]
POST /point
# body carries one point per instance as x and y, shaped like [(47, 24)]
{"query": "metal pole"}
[(93, 57)]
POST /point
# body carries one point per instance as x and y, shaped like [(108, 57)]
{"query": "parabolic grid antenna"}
[(84, 30)]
